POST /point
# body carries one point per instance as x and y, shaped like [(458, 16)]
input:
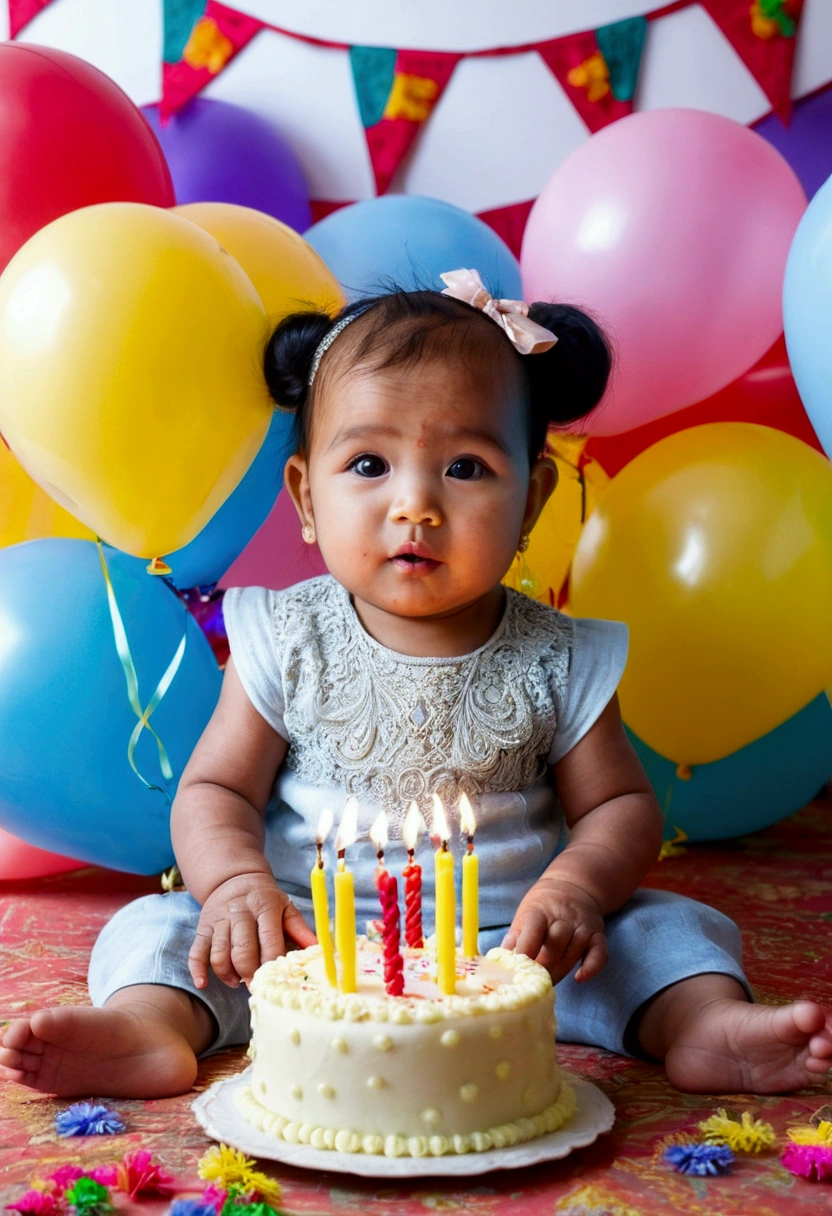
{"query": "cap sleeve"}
[(250, 624), (596, 663)]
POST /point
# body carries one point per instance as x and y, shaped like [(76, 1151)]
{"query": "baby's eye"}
[(466, 469), (368, 466)]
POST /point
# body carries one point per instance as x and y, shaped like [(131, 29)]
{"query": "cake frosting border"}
[(278, 983), (347, 1140)]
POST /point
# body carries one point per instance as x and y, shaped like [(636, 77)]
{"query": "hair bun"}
[(569, 380), (287, 360)]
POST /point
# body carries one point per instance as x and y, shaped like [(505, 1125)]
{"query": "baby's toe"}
[(809, 1018)]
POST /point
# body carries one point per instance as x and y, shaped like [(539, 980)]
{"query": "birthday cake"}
[(420, 1074)]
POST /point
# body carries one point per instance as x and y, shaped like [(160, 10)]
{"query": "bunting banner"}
[(763, 34), (21, 12)]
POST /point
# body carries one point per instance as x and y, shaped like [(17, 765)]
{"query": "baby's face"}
[(418, 481)]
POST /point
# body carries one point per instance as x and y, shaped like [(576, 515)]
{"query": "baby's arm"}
[(218, 834), (615, 827)]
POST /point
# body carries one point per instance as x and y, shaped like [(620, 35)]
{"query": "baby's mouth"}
[(410, 560)]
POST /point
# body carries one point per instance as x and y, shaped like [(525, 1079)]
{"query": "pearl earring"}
[(308, 534), (524, 543)]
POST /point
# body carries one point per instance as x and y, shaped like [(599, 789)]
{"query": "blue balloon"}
[(65, 718), (752, 788), (807, 307), (222, 540), (403, 240)]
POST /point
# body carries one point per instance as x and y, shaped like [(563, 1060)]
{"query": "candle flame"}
[(324, 826), (467, 822), (410, 828), (439, 827), (348, 827), (378, 832)]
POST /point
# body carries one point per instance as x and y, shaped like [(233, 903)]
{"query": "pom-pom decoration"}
[(88, 1119), (64, 1176), (819, 1133), (699, 1159), (196, 1206), (35, 1203), (231, 1169), (810, 1161), (138, 1174), (89, 1198), (743, 1135)]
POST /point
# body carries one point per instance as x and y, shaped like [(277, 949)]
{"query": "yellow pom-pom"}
[(743, 1135), (231, 1169), (805, 1134)]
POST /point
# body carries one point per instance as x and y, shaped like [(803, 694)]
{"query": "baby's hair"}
[(401, 328)]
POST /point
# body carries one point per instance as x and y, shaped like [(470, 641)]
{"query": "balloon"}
[(69, 137), (26, 512), (807, 298), (19, 861), (715, 547), (805, 142), (65, 718), (288, 276), (286, 271), (131, 385), (403, 240), (226, 154), (672, 227), (276, 556), (766, 394), (753, 787), (542, 570)]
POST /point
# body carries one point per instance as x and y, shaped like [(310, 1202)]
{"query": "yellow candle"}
[(470, 883), (445, 902), (320, 904), (345, 926)]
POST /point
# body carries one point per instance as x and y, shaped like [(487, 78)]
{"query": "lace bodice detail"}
[(389, 728)]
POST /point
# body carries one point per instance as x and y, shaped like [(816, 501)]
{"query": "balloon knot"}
[(684, 772), (157, 566)]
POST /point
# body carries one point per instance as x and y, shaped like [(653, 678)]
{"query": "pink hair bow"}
[(511, 315)]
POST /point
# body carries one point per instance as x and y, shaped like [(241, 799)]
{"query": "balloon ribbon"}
[(143, 715)]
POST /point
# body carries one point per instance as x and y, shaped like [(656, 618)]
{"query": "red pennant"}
[(419, 81), (762, 32), (21, 12), (509, 222), (582, 73), (219, 35)]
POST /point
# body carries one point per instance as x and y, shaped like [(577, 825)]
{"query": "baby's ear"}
[(296, 481)]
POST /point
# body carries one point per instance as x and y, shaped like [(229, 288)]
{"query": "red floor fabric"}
[(777, 885)]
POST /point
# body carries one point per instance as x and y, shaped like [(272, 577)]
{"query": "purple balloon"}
[(219, 153), (806, 142)]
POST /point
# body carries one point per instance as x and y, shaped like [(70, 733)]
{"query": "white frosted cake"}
[(419, 1074)]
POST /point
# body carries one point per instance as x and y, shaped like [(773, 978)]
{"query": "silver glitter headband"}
[(326, 342)]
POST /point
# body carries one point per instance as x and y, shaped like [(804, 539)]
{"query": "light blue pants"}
[(655, 940)]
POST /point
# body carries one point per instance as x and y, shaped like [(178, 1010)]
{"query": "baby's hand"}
[(245, 922), (556, 924)]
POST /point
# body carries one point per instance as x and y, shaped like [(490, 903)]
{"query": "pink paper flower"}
[(35, 1203), (66, 1175), (139, 1174), (811, 1161)]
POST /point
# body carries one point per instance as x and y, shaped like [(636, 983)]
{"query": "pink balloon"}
[(19, 860), (276, 556), (672, 227)]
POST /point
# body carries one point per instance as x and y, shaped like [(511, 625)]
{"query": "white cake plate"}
[(218, 1115)]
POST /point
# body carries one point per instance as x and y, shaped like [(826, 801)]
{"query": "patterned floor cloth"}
[(776, 885)]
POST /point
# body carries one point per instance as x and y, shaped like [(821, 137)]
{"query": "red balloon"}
[(765, 394), (69, 138), (20, 861)]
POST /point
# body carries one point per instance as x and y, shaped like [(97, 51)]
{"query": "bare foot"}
[(731, 1046), (112, 1052)]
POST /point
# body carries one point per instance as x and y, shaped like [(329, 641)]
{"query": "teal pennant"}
[(180, 18), (621, 44), (373, 69)]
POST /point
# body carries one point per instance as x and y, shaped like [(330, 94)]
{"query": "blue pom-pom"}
[(87, 1119), (192, 1207), (699, 1159)]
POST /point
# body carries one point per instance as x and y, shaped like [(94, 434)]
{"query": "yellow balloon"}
[(26, 513), (287, 272), (715, 547), (541, 571), (131, 384)]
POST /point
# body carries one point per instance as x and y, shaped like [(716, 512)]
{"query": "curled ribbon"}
[(143, 715), (511, 315)]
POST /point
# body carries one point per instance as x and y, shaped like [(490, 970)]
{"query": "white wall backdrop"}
[(503, 124)]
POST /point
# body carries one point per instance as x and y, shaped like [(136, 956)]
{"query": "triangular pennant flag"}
[(218, 35), (584, 75), (621, 44), (21, 12), (763, 33), (180, 17), (509, 222), (373, 69), (418, 82)]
